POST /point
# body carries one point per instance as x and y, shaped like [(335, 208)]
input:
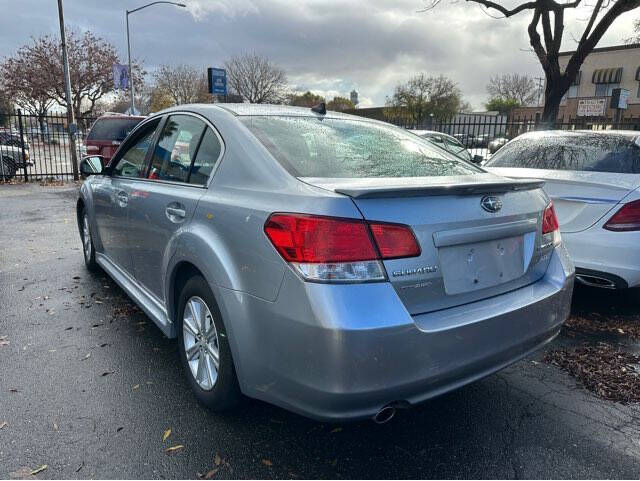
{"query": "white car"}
[(593, 178), (452, 145)]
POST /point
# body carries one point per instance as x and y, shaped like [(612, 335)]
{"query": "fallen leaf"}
[(39, 470), (106, 373), (135, 386), (267, 462), (86, 357), (216, 460), (172, 449), (3, 424), (166, 434)]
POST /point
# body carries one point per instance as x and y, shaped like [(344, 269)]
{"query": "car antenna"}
[(321, 108)]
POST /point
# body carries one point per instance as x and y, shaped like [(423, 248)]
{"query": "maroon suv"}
[(107, 132)]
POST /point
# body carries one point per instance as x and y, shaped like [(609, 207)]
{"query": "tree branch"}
[(542, 5)]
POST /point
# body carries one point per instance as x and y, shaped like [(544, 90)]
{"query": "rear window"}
[(326, 148), (112, 129), (595, 153)]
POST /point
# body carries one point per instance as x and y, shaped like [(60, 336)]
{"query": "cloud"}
[(202, 9), (327, 46)]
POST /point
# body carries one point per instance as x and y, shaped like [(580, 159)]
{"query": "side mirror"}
[(477, 159), (92, 165)]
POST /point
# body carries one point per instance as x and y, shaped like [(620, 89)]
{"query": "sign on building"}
[(620, 98), (217, 81), (120, 76), (591, 107)]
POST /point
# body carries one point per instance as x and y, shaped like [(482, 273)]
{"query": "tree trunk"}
[(556, 87), (41, 123)]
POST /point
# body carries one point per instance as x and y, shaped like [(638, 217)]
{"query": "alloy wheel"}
[(86, 238), (201, 345)]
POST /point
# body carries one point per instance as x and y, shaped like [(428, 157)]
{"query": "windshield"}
[(581, 152), (112, 129), (325, 147)]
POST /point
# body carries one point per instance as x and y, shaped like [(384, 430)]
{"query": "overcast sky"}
[(328, 46)]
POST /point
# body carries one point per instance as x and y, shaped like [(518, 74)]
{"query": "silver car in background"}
[(593, 178), (335, 266)]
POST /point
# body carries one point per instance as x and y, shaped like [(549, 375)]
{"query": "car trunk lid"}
[(467, 253), (580, 198)]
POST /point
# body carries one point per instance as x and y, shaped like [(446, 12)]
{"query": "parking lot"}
[(89, 386)]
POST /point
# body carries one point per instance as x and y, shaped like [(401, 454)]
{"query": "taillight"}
[(549, 220), (340, 250), (626, 219), (550, 226), (394, 240)]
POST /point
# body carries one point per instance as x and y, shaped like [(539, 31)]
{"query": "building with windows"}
[(589, 96)]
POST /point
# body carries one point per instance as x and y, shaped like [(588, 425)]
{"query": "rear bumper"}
[(342, 352), (614, 254)]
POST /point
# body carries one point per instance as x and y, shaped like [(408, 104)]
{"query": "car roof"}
[(631, 135), (241, 109), (111, 115)]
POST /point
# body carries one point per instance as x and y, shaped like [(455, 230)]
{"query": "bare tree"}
[(547, 16), (91, 60), (513, 87), (424, 97), (256, 79), (36, 73), (24, 87), (184, 84)]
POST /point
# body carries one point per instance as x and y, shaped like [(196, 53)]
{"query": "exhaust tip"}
[(385, 415)]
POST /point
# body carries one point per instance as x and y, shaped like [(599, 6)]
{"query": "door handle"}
[(176, 212)]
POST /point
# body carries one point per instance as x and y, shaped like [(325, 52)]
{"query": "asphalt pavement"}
[(89, 386)]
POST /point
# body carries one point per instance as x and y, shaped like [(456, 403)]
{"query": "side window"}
[(131, 164), (206, 158), (176, 148)]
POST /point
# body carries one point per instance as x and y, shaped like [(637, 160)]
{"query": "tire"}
[(217, 391), (7, 168), (88, 250)]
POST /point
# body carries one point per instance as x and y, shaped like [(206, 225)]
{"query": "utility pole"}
[(131, 88), (71, 121)]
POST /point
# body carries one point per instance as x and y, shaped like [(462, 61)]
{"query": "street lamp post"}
[(131, 88)]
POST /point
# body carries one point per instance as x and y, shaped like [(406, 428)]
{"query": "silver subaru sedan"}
[(338, 267)]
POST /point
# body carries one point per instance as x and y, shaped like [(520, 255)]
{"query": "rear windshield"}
[(112, 129), (324, 147), (589, 152)]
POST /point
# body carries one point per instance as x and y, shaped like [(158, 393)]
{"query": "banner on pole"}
[(120, 76)]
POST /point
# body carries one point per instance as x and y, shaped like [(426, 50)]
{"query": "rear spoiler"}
[(378, 192)]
